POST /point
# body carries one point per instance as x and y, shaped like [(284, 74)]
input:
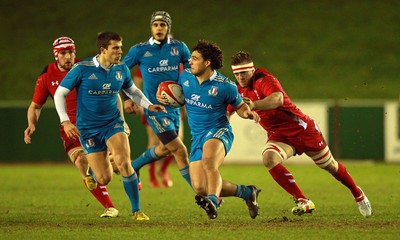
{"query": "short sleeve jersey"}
[(206, 103), (47, 84), (97, 91), (158, 64), (286, 118)]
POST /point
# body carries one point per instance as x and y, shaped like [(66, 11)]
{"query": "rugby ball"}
[(172, 91)]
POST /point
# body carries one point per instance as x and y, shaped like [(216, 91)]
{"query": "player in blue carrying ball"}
[(159, 59), (207, 94)]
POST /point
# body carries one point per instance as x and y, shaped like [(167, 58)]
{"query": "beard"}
[(66, 66)]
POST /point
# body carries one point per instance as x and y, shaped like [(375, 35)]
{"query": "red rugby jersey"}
[(47, 84), (287, 119)]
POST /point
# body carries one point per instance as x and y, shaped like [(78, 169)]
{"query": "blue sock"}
[(185, 174), (147, 157), (132, 190), (213, 198), (243, 191)]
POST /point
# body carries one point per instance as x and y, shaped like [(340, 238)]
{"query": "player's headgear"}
[(243, 67), (162, 16), (63, 43)]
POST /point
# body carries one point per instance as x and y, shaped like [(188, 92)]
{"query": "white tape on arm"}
[(60, 102), (137, 96)]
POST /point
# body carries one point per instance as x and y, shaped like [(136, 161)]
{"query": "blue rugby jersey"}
[(206, 104), (97, 91), (158, 64)]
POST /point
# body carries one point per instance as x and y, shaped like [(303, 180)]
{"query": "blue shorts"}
[(164, 122), (224, 134), (94, 140)]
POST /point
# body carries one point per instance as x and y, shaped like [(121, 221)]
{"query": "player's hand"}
[(252, 115), (249, 102), (28, 132), (70, 129), (130, 107), (157, 108), (161, 99)]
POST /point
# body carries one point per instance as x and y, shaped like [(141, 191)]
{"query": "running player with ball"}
[(207, 94), (159, 59)]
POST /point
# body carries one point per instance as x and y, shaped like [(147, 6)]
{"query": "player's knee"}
[(325, 160), (120, 157), (162, 151), (199, 188), (103, 179), (177, 150), (209, 164), (182, 152), (124, 167), (273, 154)]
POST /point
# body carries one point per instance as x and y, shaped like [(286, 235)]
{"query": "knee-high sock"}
[(185, 174), (147, 157), (286, 180), (242, 191), (152, 172), (166, 162), (344, 177), (214, 199), (132, 190), (101, 194)]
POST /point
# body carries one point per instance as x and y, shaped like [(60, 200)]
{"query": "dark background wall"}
[(46, 143), (354, 132)]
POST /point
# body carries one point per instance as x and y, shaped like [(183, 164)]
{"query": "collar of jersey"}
[(97, 63), (213, 76), (152, 41)]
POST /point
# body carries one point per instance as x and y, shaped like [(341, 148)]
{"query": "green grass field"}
[(51, 202)]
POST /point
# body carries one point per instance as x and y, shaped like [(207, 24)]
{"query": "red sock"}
[(152, 172), (344, 177), (286, 180), (166, 162), (101, 194)]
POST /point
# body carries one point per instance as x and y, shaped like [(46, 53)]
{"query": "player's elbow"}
[(278, 99)]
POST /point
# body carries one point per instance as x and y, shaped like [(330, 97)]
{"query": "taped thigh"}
[(274, 148), (323, 158), (75, 153)]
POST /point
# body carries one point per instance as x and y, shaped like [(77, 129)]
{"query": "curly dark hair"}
[(241, 57), (210, 51)]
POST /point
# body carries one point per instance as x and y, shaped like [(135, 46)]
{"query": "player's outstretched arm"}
[(270, 102), (157, 108), (139, 98), (244, 112)]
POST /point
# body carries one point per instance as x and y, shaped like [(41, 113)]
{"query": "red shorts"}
[(144, 120), (68, 142), (305, 140)]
